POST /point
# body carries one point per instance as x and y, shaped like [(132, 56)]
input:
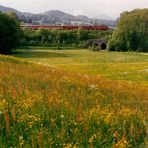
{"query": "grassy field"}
[(75, 106), (114, 65)]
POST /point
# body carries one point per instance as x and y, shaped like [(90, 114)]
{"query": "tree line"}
[(131, 34), (61, 37)]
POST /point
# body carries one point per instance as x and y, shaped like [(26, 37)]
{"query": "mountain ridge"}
[(56, 17)]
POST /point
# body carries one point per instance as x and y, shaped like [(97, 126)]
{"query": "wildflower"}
[(92, 138), (86, 76), (7, 120), (21, 138), (92, 86), (68, 145), (62, 116), (123, 143), (116, 135)]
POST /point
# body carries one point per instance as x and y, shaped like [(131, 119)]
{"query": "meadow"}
[(128, 66), (73, 98)]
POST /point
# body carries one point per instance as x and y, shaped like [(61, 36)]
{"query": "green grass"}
[(120, 66)]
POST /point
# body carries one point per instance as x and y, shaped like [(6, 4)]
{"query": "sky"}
[(91, 8)]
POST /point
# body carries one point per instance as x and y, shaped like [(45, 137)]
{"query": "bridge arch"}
[(99, 44)]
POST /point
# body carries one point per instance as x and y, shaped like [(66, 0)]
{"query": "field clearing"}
[(44, 106), (121, 66)]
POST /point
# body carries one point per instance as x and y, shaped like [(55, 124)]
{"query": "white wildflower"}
[(62, 116)]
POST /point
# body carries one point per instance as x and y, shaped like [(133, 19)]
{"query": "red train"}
[(36, 27)]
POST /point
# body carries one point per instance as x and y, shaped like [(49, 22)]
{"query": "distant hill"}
[(105, 17), (7, 9), (58, 14), (53, 17)]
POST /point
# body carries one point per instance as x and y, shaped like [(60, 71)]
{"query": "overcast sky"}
[(91, 8)]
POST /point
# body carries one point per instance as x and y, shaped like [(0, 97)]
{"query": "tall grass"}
[(46, 107)]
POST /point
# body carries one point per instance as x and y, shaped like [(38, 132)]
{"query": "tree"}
[(55, 37), (9, 33), (132, 32)]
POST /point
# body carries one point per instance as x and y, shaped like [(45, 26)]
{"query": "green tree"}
[(132, 32), (9, 33), (45, 37)]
